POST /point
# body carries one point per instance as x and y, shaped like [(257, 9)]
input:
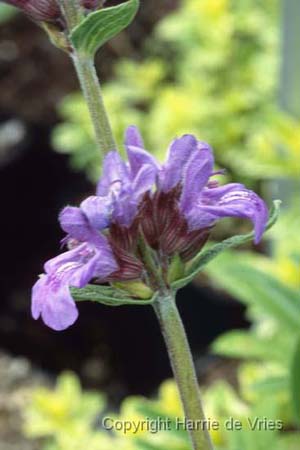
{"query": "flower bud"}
[(39, 10), (48, 11)]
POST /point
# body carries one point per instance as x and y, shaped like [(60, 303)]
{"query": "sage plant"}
[(141, 237)]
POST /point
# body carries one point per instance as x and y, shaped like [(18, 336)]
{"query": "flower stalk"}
[(183, 368), (89, 82), (71, 11), (91, 89)]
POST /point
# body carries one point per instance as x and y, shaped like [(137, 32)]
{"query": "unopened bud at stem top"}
[(48, 11)]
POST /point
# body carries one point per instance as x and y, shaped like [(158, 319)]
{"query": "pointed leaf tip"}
[(101, 26)]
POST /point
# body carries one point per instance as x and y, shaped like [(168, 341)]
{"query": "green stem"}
[(93, 96), (72, 12), (183, 369), (89, 82)]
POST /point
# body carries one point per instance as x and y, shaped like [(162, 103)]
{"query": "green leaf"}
[(143, 445), (7, 12), (295, 382), (204, 257), (289, 440), (100, 26), (271, 384), (106, 295), (242, 344), (255, 287)]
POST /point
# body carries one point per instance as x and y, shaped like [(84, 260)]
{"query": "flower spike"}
[(166, 210)]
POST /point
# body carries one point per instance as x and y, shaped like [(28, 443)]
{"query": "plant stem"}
[(89, 82), (183, 369), (90, 86), (72, 12)]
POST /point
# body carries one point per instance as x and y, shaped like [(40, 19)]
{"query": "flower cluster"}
[(168, 207), (48, 10)]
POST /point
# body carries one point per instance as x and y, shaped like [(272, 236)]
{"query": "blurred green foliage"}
[(65, 424), (65, 417), (6, 12), (270, 289), (211, 68)]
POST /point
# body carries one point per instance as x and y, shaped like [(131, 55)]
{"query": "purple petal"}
[(126, 203), (115, 173), (144, 181), (78, 266), (196, 175), (105, 263), (98, 211), (138, 157), (73, 268), (74, 222), (211, 195), (125, 210), (133, 137), (51, 297), (179, 152), (55, 305), (236, 201)]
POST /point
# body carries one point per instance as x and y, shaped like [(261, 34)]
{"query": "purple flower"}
[(185, 181), (121, 189), (171, 206), (90, 256)]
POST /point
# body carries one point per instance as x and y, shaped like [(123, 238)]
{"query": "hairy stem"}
[(89, 82), (71, 11), (93, 96), (183, 369)]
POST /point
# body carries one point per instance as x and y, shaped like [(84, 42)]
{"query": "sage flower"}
[(89, 256), (188, 201), (169, 207)]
